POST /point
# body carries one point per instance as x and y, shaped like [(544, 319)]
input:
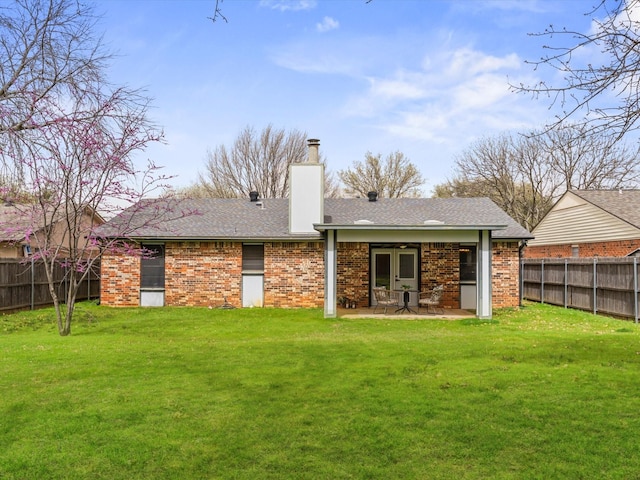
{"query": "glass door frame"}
[(394, 280)]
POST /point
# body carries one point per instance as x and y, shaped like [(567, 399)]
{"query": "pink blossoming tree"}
[(68, 137)]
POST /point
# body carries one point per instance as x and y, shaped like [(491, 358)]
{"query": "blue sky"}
[(426, 78)]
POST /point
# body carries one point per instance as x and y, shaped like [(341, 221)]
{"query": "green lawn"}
[(184, 393)]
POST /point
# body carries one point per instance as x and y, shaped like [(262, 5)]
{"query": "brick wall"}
[(353, 272), (120, 280), (294, 274), (203, 274), (440, 265), (505, 270), (619, 248)]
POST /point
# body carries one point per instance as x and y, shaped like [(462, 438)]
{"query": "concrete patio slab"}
[(448, 314)]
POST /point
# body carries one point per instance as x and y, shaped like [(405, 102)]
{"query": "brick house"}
[(308, 251), (589, 223)]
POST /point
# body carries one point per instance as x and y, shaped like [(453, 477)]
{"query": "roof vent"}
[(373, 196), (253, 196)]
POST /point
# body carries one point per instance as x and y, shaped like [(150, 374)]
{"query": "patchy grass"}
[(537, 392)]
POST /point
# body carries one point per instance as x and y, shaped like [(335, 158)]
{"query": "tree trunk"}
[(64, 328)]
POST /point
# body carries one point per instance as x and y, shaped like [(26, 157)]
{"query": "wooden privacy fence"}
[(601, 285), (23, 285)]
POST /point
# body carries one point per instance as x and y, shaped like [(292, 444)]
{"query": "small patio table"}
[(405, 300)]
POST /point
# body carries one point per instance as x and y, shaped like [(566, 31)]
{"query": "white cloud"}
[(288, 5), (395, 89), (327, 24), (466, 61), (326, 54), (461, 93), (630, 15)]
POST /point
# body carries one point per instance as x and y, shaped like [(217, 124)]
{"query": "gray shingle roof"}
[(12, 227), (211, 218), (461, 212), (624, 204), (241, 219)]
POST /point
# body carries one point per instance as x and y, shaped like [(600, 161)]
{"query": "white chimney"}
[(306, 192)]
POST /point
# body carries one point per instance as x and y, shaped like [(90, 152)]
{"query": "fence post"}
[(595, 285), (565, 283), (542, 281), (635, 288), (33, 286)]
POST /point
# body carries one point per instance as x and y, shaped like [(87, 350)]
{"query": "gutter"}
[(322, 227)]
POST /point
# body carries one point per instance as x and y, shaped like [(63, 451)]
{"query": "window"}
[(407, 264), (152, 267), (468, 263), (253, 257)]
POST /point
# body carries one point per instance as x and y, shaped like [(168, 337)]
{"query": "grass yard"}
[(537, 393)]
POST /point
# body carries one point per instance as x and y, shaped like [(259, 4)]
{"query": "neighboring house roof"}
[(584, 216), (623, 204), (269, 218), (17, 221), (14, 224)]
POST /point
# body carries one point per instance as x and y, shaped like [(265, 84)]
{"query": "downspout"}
[(523, 243)]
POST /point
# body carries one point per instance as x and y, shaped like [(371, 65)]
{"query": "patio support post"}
[(330, 280), (484, 276)]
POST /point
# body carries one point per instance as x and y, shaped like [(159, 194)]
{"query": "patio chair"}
[(431, 299), (385, 298)]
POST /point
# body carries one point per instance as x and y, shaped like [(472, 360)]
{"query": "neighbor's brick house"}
[(307, 251), (589, 223)]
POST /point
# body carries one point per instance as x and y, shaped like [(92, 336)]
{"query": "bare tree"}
[(256, 162), (68, 137), (393, 177), (217, 13), (525, 174), (500, 168), (589, 160), (600, 90), (47, 50)]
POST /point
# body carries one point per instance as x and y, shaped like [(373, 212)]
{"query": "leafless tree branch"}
[(603, 94)]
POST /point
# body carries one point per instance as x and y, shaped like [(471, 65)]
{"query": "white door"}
[(395, 268)]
